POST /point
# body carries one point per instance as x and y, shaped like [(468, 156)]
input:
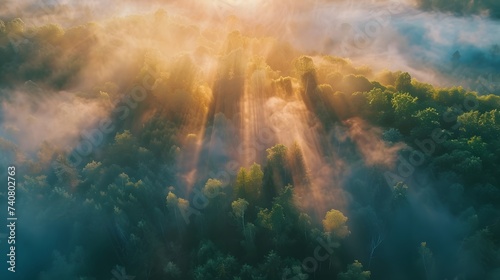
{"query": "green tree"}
[(490, 125), (66, 173), (241, 183), (461, 162), (178, 206), (478, 147), (426, 259), (470, 124), (403, 83), (213, 188), (427, 120), (305, 223), (276, 174), (217, 268), (124, 151), (404, 106), (286, 199), (65, 267), (50, 33), (480, 249), (218, 199), (399, 194), (449, 97), (354, 83), (273, 219), (249, 241), (254, 187), (379, 102), (239, 207), (298, 166), (16, 26), (159, 136), (272, 266), (392, 135), (281, 218), (276, 155), (172, 271), (355, 272), (3, 28)]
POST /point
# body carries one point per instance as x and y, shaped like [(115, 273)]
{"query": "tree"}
[(172, 200), (247, 272), (427, 120), (470, 124), (353, 83), (249, 183), (272, 266), (214, 191), (479, 249), (65, 267), (206, 251), (213, 188), (392, 135), (479, 148), (403, 83), (276, 174), (273, 219), (462, 162), (379, 102), (355, 272), (3, 28), (50, 33), (449, 97), (404, 106), (239, 207), (179, 204), (285, 199), (65, 171), (217, 268), (399, 193), (241, 183), (305, 223), (159, 136), (276, 155), (334, 223), (123, 151), (427, 259), (249, 242), (172, 271), (281, 218), (298, 166), (304, 65), (16, 26), (254, 187), (306, 70)]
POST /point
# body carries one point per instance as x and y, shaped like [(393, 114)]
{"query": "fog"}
[(223, 82)]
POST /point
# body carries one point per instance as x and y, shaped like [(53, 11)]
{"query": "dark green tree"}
[(355, 272)]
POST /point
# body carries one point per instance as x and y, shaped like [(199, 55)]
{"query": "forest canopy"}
[(160, 146)]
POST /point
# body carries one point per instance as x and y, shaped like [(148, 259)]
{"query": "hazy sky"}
[(392, 34)]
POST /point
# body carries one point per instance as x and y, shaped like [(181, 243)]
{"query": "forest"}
[(166, 145)]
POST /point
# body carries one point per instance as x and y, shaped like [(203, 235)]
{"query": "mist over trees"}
[(201, 166), (463, 8)]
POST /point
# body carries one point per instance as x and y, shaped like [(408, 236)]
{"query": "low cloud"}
[(57, 118)]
